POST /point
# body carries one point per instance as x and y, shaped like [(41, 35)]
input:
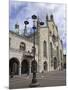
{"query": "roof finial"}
[(17, 28), (51, 16), (46, 17)]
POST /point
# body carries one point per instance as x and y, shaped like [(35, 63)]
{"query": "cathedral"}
[(48, 49)]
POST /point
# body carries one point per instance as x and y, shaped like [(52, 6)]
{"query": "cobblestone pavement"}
[(54, 78)]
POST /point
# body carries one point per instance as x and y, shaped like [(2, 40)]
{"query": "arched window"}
[(58, 55), (57, 51), (9, 42), (51, 50), (22, 46), (61, 54), (45, 49), (45, 65)]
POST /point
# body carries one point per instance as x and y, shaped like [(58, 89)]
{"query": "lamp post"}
[(41, 23), (34, 82)]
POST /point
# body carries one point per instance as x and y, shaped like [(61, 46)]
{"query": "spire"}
[(46, 17), (51, 17), (17, 28)]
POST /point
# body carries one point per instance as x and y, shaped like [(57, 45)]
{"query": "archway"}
[(34, 66), (55, 63), (25, 67), (45, 66), (14, 66)]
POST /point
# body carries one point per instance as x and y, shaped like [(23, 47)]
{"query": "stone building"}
[(48, 49)]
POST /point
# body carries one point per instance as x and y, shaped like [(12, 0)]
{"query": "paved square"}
[(55, 78)]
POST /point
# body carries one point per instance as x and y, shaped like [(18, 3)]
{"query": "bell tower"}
[(42, 36)]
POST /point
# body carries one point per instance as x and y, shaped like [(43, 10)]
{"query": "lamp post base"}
[(34, 84)]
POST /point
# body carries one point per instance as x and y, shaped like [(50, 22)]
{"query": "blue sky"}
[(20, 11)]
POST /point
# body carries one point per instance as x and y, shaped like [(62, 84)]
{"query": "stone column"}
[(29, 67), (20, 69)]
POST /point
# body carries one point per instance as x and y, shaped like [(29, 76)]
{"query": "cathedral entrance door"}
[(55, 63)]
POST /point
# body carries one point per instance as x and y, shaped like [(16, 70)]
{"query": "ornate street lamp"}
[(34, 82), (26, 23)]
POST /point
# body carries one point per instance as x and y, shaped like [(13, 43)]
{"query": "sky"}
[(20, 11)]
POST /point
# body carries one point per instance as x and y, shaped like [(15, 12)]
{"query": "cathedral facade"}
[(48, 49)]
